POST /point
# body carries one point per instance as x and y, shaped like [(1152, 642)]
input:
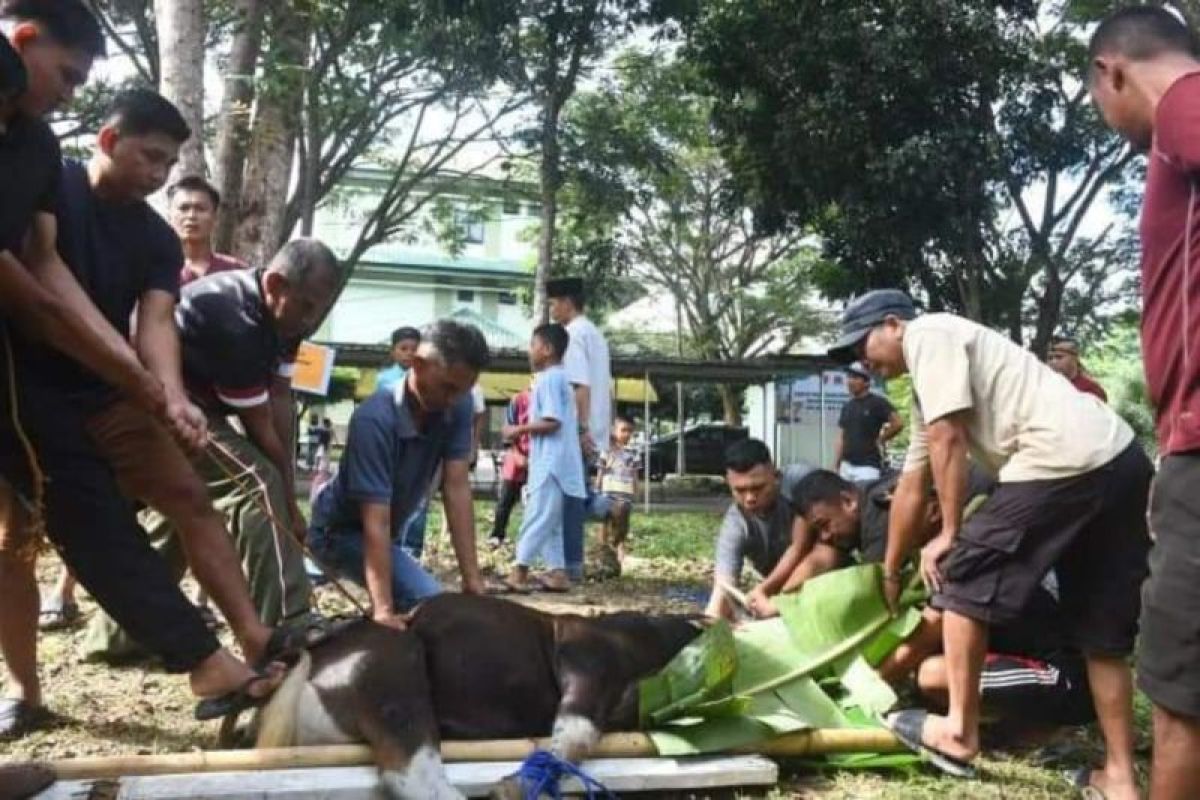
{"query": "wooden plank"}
[(473, 779), (611, 745)]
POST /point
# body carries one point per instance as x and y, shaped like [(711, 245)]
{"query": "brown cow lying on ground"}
[(470, 667)]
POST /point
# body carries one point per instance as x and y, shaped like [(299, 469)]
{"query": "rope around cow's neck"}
[(261, 497)]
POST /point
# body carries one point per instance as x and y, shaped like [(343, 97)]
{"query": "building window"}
[(508, 298), (470, 226), (533, 210), (466, 296), (512, 206)]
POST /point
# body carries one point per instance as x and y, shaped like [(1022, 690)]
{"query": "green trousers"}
[(241, 492)]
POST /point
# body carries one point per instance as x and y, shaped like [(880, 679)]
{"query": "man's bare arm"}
[(460, 518), (948, 459), (837, 449), (905, 518), (283, 417), (157, 344), (800, 546), (377, 559), (893, 426)]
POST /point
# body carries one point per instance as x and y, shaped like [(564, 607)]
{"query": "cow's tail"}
[(277, 720)]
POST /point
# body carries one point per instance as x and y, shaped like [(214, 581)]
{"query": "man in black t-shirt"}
[(866, 424), (126, 257), (47, 461)]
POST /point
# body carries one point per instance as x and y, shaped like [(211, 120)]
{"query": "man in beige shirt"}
[(1072, 494)]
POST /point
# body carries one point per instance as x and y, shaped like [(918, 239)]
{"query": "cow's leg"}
[(580, 714), (576, 726), (395, 715)]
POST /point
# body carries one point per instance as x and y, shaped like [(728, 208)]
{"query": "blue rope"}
[(542, 771)]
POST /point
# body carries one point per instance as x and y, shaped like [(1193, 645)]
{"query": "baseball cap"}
[(864, 313)]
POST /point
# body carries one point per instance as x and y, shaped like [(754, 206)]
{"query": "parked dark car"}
[(704, 450)]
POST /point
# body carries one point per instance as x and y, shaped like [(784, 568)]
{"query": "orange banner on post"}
[(314, 367)]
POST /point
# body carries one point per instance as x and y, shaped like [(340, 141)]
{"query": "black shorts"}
[(1090, 528), (1168, 668)]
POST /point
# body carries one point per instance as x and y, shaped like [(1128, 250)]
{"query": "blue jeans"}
[(413, 538), (342, 551)]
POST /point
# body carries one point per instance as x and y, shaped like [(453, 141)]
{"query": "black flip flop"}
[(1081, 781), (234, 702), (287, 642), (18, 718), (908, 726)]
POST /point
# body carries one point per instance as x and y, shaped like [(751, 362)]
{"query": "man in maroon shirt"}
[(193, 213), (1063, 358), (1145, 79)]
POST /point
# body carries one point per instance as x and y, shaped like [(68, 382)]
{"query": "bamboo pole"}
[(612, 745)]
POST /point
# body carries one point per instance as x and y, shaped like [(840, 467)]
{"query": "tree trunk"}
[(259, 229), (233, 125), (731, 404), (1049, 307), (180, 25), (550, 181)]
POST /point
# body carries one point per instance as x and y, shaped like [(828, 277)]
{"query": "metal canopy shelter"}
[(743, 370), (752, 371)]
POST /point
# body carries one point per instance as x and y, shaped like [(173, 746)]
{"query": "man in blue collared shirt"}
[(394, 446)]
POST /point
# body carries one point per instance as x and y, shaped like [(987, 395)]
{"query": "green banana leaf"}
[(810, 668), (701, 671)]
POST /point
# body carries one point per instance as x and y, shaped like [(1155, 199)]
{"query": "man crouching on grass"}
[(1072, 496), (396, 444)]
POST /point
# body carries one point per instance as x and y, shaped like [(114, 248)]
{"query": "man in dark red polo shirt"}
[(1063, 358), (193, 213), (1145, 78)]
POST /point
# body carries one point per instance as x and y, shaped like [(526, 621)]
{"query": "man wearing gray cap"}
[(1072, 492)]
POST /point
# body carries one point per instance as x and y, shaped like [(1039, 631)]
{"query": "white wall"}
[(787, 416)]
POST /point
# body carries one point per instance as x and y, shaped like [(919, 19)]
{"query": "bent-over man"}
[(1072, 495)]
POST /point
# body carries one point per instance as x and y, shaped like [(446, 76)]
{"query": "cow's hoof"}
[(508, 789)]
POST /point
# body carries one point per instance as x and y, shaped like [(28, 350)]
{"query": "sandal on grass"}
[(1081, 780), (18, 718), (541, 584), (233, 702), (56, 615), (908, 726)]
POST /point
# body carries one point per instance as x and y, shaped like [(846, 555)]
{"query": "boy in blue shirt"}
[(404, 347), (555, 463)]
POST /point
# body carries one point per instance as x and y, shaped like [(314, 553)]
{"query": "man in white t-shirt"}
[(1073, 485), (588, 370)]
